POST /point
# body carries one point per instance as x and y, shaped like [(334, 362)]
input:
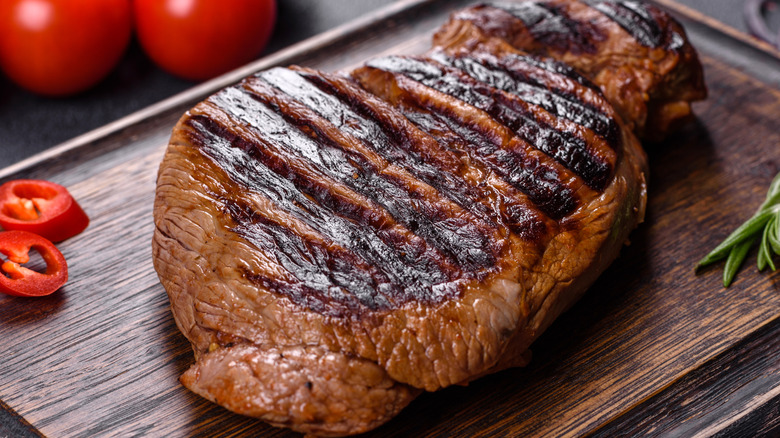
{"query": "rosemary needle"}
[(734, 261), (763, 227), (764, 255)]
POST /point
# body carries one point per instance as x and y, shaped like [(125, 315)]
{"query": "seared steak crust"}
[(530, 111), (636, 53), (334, 244)]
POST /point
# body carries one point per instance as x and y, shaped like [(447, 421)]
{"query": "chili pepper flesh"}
[(41, 207), (19, 280)]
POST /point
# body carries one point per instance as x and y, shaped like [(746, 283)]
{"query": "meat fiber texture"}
[(333, 245)]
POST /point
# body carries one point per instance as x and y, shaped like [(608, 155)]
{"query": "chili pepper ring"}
[(41, 207), (18, 280)]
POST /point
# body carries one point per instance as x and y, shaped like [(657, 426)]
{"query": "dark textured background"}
[(30, 124)]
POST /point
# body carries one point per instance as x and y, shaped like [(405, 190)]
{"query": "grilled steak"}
[(637, 54), (335, 244)]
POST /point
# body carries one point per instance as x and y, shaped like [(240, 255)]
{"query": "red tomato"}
[(61, 47), (200, 39)]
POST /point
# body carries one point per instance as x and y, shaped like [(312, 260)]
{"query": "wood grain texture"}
[(652, 349), (719, 398)]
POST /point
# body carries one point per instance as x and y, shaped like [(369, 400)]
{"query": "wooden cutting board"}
[(652, 349)]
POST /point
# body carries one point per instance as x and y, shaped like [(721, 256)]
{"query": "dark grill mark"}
[(552, 66), (366, 267), (634, 18), (504, 74), (462, 237), (552, 27), (521, 218), (330, 279), (566, 148), (438, 171), (525, 171)]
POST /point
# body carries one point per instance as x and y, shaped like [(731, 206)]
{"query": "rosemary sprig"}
[(763, 227)]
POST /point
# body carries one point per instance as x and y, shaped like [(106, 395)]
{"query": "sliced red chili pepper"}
[(41, 207), (18, 280)]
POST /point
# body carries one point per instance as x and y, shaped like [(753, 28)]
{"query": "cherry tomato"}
[(200, 39), (62, 47)]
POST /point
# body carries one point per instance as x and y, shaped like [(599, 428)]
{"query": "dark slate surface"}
[(30, 124)]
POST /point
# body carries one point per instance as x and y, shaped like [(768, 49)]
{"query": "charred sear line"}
[(312, 91), (503, 74), (330, 280), (553, 28), (520, 217), (359, 271), (564, 147), (556, 67), (464, 240), (634, 18), (540, 182), (320, 282)]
